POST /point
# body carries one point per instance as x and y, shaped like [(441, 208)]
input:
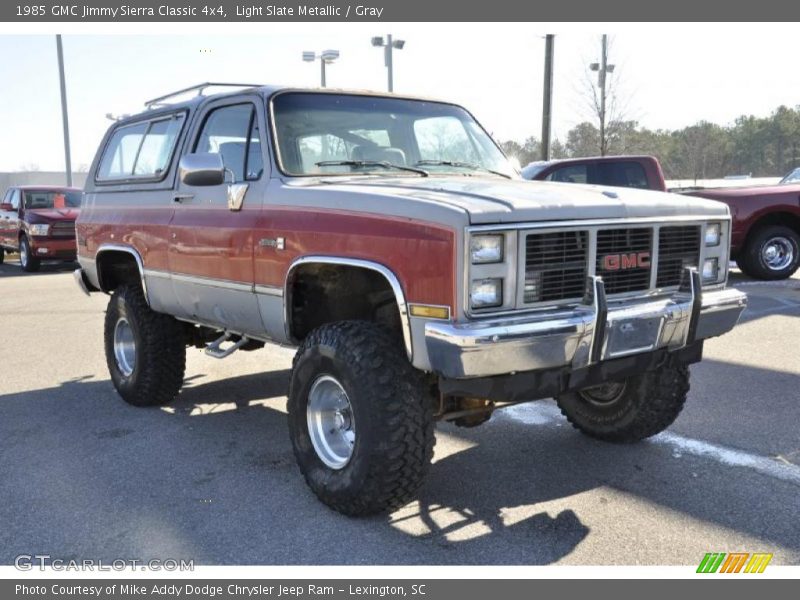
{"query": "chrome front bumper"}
[(595, 331)]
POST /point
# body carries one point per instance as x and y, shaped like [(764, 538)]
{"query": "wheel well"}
[(115, 267), (319, 293), (790, 220)]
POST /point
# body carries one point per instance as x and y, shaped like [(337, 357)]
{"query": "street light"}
[(602, 68), (388, 46), (325, 57), (64, 117)]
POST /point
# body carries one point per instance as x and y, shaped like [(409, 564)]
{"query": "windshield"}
[(793, 177), (52, 199), (335, 134)]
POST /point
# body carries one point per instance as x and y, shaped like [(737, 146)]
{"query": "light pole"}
[(602, 68), (325, 57), (388, 46), (547, 101), (64, 117)]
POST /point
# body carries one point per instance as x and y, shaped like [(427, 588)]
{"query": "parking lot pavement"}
[(212, 478)]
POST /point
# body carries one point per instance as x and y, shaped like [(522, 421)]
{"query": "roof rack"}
[(200, 87)]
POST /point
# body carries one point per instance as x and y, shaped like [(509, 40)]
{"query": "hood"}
[(52, 214), (488, 200)]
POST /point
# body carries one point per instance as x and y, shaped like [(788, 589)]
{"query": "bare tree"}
[(606, 104)]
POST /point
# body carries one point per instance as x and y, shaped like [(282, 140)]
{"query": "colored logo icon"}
[(734, 562)]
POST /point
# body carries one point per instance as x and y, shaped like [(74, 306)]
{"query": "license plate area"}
[(632, 336)]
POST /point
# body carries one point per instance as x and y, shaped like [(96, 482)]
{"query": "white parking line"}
[(547, 414), (779, 283)]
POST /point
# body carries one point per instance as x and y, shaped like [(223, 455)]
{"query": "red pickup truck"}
[(765, 233), (39, 223)]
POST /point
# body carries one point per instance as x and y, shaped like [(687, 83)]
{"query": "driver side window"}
[(232, 132)]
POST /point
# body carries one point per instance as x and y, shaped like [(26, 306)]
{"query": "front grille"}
[(623, 259), (678, 248), (555, 265), (64, 229)]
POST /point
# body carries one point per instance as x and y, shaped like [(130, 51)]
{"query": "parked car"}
[(39, 223), (765, 235), (643, 172), (390, 239)]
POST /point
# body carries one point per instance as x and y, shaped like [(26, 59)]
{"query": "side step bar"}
[(215, 349)]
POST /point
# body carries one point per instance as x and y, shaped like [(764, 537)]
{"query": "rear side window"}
[(571, 174), (622, 174), (141, 150)]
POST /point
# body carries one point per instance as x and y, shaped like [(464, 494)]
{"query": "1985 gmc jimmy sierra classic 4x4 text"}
[(421, 278)]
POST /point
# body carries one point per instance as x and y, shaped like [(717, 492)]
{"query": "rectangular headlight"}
[(485, 249), (713, 234), (40, 229), (486, 293), (711, 269)]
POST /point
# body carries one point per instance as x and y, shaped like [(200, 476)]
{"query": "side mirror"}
[(6, 206), (202, 169)]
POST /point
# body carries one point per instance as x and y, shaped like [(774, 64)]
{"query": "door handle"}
[(180, 198)]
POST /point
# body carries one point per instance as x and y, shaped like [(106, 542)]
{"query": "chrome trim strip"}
[(700, 219), (133, 252), (198, 280), (269, 290), (391, 278)]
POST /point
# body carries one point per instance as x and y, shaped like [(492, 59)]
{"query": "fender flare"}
[(383, 270), (128, 250)]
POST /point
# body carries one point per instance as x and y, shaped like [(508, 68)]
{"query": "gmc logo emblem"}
[(631, 260)]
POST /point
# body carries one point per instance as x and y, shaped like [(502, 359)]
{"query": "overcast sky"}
[(672, 74)]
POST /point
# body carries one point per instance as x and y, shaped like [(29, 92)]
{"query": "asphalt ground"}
[(212, 477)]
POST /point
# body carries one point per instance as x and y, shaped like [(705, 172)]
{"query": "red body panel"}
[(219, 244), (422, 255), (63, 249)]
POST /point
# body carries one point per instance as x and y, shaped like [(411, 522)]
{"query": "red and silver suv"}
[(390, 240), (39, 223)]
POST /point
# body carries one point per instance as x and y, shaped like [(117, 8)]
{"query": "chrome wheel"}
[(777, 253), (331, 425), (604, 394), (124, 347), (23, 253)]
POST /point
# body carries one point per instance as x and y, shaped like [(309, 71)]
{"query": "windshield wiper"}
[(464, 165), (370, 163)]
